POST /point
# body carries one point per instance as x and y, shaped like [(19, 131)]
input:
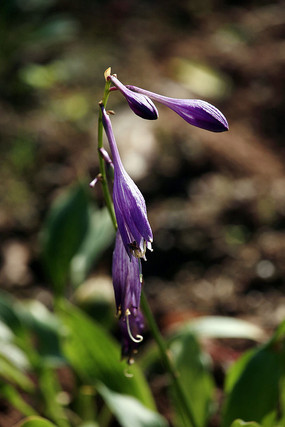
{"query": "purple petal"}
[(141, 105), (126, 279), (129, 204), (194, 111)]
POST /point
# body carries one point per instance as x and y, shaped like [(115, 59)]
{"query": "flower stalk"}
[(103, 175), (186, 411)]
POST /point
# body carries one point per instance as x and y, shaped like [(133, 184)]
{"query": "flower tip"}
[(208, 117), (223, 125), (107, 74)]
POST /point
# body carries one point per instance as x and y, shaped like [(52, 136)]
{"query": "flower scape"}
[(134, 235)]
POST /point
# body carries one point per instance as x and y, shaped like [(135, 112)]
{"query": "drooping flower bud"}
[(129, 204), (127, 282), (141, 105), (195, 111)]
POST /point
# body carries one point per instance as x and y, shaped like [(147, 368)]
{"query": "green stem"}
[(104, 181), (186, 411), (167, 361)]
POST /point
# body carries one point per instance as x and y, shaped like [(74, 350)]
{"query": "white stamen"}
[(140, 271), (136, 339), (93, 183)]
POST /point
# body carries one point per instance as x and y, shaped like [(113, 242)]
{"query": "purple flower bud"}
[(194, 111), (129, 204), (126, 275), (141, 105), (127, 282)]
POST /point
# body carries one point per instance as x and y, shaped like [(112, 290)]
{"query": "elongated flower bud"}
[(194, 111), (141, 105), (126, 275), (129, 204), (127, 284)]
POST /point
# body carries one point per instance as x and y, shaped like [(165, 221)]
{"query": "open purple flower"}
[(127, 282), (141, 105), (194, 111), (129, 204)]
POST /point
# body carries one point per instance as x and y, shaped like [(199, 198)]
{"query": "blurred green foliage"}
[(39, 343)]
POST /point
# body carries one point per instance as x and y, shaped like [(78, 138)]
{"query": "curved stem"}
[(168, 364), (104, 181)]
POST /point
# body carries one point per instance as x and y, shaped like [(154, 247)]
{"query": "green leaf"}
[(10, 316), (95, 356), (12, 373), (129, 411), (253, 386), (194, 376), (98, 237), (63, 234), (9, 393), (35, 421), (50, 389), (224, 327), (240, 423), (45, 326), (22, 322)]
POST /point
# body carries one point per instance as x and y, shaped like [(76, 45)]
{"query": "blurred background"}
[(216, 202)]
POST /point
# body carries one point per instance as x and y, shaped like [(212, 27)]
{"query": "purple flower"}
[(129, 204), (140, 104), (194, 111), (127, 282)]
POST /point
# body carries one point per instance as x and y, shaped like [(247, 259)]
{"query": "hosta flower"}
[(127, 282), (140, 104), (129, 204), (194, 111)]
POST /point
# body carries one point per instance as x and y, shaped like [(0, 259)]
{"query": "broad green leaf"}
[(95, 356), (235, 372), (35, 421), (194, 376), (254, 391), (15, 355), (240, 423), (9, 393), (27, 321), (45, 327), (270, 420), (5, 332), (129, 411), (63, 234), (98, 237), (224, 327), (10, 316)]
